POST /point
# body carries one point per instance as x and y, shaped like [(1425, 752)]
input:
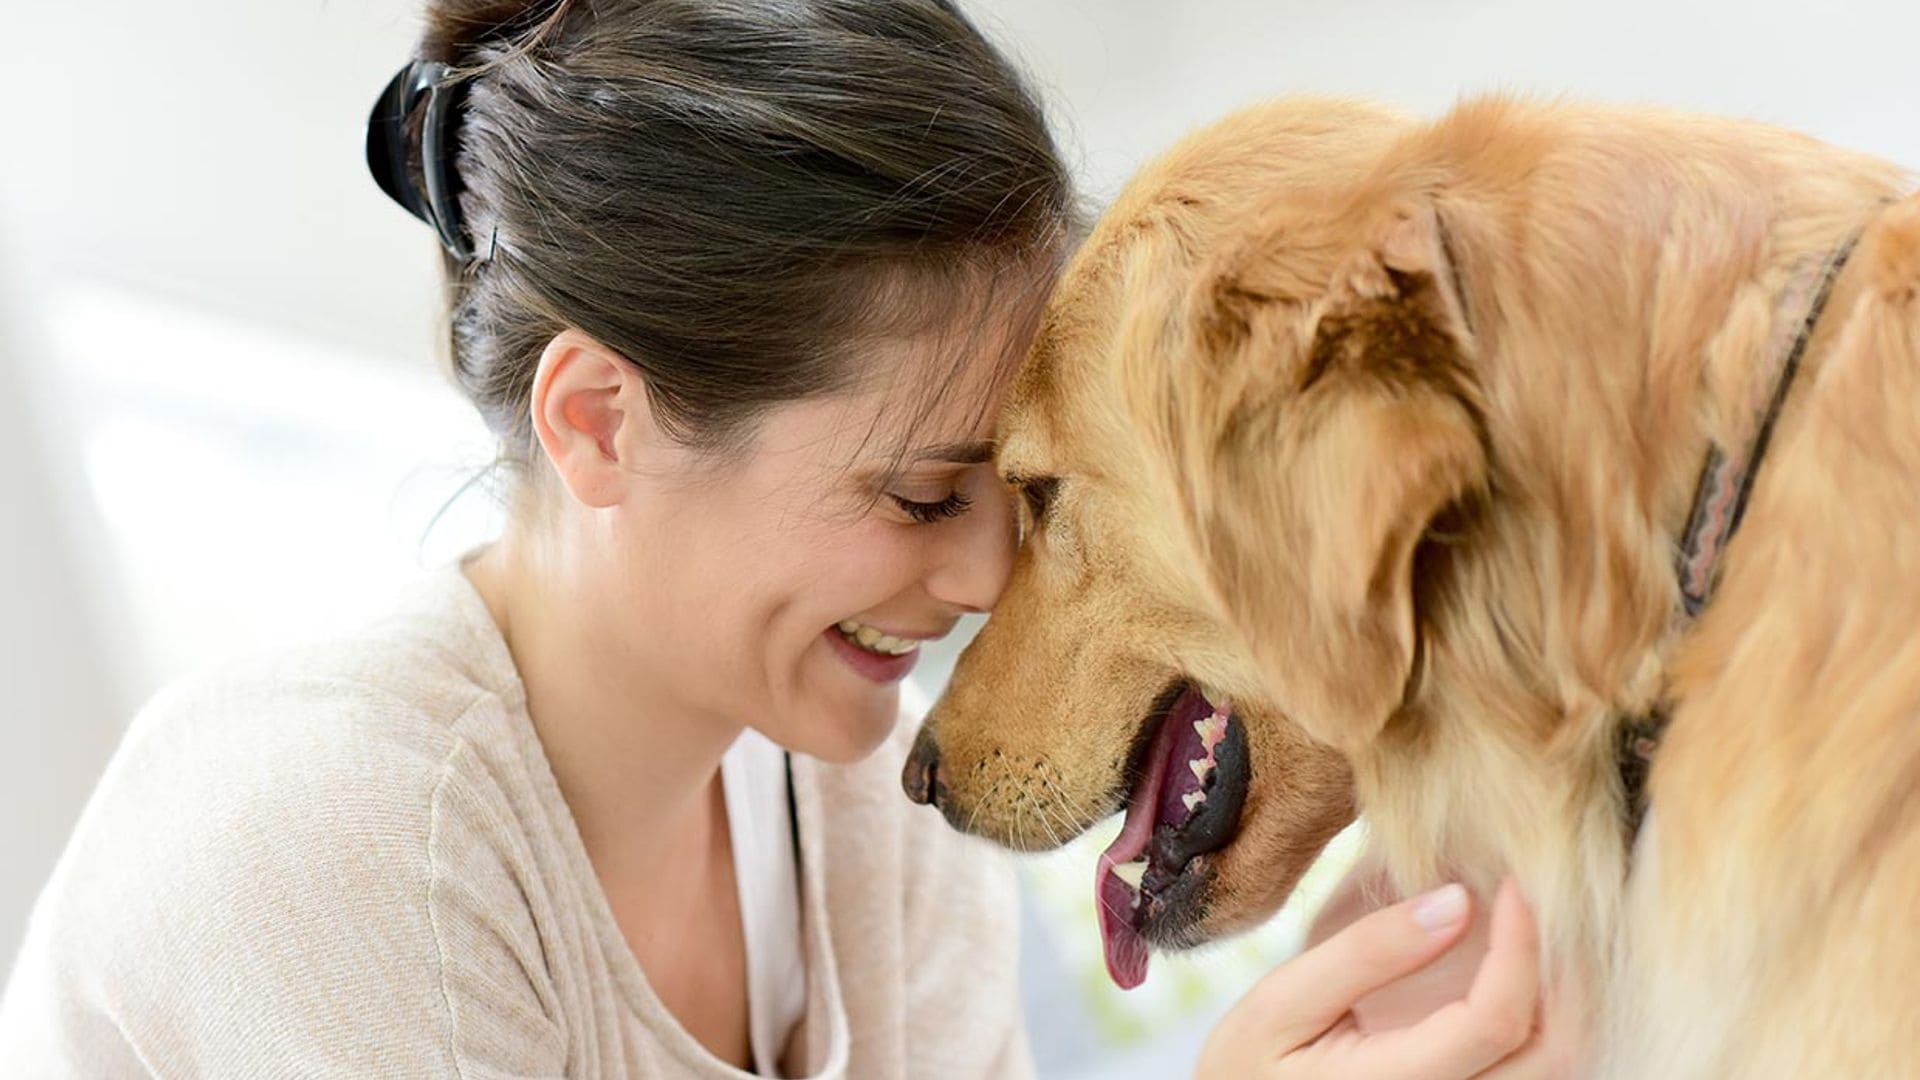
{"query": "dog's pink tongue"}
[(1126, 951)]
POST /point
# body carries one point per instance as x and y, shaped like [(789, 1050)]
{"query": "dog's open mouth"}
[(1188, 791)]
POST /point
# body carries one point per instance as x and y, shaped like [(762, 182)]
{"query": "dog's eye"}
[(1039, 492)]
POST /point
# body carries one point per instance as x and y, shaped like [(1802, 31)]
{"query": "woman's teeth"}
[(874, 641)]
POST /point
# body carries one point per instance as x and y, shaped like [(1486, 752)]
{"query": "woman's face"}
[(789, 587)]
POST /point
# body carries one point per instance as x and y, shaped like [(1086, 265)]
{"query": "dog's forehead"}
[(1027, 437), (1071, 411), (1099, 338), (1024, 444)]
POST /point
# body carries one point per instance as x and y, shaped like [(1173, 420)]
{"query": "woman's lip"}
[(905, 636), (872, 666)]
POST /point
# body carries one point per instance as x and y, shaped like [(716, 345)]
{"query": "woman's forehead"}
[(927, 398), (891, 431), (875, 428), (934, 397)]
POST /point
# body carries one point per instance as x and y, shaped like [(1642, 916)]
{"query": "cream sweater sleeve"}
[(279, 877), (963, 930), (943, 909), (963, 950)]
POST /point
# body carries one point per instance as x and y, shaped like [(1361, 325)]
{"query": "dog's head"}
[(1246, 410)]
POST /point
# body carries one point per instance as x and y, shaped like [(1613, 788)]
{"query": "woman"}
[(736, 283)]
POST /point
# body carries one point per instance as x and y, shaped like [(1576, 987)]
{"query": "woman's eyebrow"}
[(976, 452)]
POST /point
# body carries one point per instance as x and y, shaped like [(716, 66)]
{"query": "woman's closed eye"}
[(930, 495), (926, 513)]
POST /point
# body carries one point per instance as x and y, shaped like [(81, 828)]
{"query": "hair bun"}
[(456, 29)]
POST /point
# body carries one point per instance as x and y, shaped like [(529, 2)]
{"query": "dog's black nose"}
[(921, 776)]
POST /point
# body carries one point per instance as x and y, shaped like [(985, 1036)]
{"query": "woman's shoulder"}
[(333, 752), (310, 801), (394, 697), (310, 824)]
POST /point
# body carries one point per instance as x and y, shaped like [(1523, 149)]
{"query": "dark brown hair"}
[(729, 193)]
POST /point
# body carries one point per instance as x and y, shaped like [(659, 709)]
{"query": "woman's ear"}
[(593, 417), (1341, 420)]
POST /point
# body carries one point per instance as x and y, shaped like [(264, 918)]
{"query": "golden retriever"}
[(1355, 453)]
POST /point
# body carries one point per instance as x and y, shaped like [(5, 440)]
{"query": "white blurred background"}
[(221, 420)]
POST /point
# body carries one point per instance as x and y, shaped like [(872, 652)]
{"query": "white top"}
[(352, 860), (753, 775)]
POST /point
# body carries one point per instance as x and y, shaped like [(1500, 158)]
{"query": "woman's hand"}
[(1302, 1021)]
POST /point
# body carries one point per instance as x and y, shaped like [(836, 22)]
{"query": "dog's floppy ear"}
[(1324, 416)]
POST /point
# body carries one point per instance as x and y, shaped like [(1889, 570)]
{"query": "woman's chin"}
[(836, 720), (853, 735)]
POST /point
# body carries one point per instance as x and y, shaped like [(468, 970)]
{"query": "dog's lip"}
[(1181, 857), (1184, 792), (1212, 824), (1235, 770), (1171, 902)]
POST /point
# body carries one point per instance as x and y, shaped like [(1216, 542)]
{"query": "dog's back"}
[(1768, 926), (1772, 912)]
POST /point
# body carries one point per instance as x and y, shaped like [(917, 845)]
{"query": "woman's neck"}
[(641, 775), (637, 770)]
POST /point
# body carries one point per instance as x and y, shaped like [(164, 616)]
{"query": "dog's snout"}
[(920, 778)]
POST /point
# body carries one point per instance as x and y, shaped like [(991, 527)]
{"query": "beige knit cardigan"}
[(352, 860)]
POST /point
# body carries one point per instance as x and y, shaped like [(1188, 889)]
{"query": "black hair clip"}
[(388, 145)]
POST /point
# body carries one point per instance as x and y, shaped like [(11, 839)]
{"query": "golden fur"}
[(1388, 430)]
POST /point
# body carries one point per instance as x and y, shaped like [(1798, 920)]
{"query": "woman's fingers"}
[(1304, 997), (1534, 1061), (1497, 1019)]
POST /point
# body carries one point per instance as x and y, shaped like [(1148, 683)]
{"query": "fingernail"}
[(1440, 909)]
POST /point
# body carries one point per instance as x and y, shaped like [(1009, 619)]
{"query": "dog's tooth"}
[(1132, 872), (1193, 799), (849, 627), (869, 636), (1201, 767), (1213, 731)]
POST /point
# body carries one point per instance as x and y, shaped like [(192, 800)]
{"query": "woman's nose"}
[(976, 558)]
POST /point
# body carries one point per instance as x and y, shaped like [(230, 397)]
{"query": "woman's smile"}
[(873, 653)]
